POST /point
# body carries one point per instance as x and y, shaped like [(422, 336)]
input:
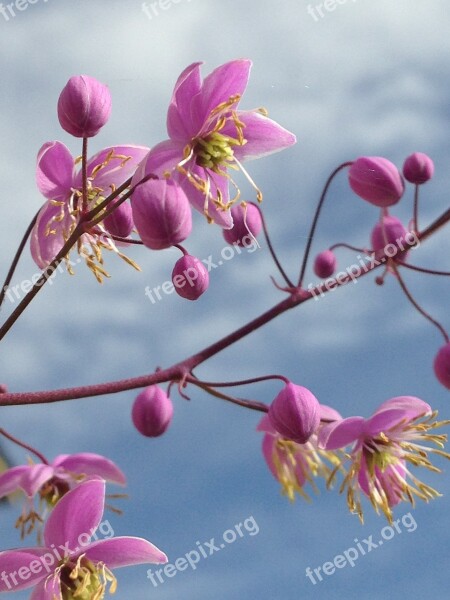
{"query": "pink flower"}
[(52, 481), (418, 168), (295, 413), (247, 223), (61, 184), (190, 277), (208, 135), (325, 264), (383, 445), (152, 411), (294, 465), (71, 565), (441, 365)]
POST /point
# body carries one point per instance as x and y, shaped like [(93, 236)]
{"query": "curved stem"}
[(316, 218), (417, 306), (271, 248), (252, 404), (17, 256), (423, 270), (191, 379), (349, 247), (18, 442)]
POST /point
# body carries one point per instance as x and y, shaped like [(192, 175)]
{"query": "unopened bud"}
[(84, 106), (295, 413), (391, 231), (247, 224), (377, 180), (152, 411), (442, 365), (190, 277), (418, 168), (120, 222), (325, 264)]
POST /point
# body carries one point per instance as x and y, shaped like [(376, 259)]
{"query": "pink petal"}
[(341, 433), (387, 480), (162, 158), (329, 414), (78, 512), (415, 407), (124, 551), (197, 198), (55, 171), (11, 479), (225, 81), (179, 121), (86, 463), (268, 449), (47, 590), (395, 411), (12, 560), (263, 136), (45, 247), (35, 477), (266, 425), (116, 170)]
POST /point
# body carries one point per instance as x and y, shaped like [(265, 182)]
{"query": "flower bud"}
[(120, 222), (392, 232), (161, 213), (84, 106), (442, 365), (295, 413), (247, 223), (152, 411), (418, 168), (190, 277), (376, 180), (325, 264)]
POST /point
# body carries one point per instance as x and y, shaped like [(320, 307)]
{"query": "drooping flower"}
[(397, 435), (60, 182), (70, 565), (209, 135), (152, 411), (294, 465), (50, 482), (190, 277), (295, 413), (84, 106)]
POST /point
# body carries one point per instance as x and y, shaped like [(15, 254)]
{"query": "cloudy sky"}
[(364, 78)]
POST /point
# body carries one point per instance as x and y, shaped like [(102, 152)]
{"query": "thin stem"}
[(215, 384), (18, 442), (423, 270), (17, 256), (252, 404), (349, 247), (117, 238), (316, 218), (416, 209), (84, 200), (271, 248), (180, 371), (77, 232), (417, 306)]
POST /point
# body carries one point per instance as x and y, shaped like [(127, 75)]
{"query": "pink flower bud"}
[(325, 264), (394, 232), (376, 180), (84, 106), (152, 411), (418, 168), (190, 277), (295, 413), (161, 213), (442, 365), (120, 222), (247, 224)]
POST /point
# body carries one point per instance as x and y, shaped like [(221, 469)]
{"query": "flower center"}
[(53, 490), (84, 580), (215, 151)]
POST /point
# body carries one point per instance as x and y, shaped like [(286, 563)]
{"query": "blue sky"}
[(365, 78)]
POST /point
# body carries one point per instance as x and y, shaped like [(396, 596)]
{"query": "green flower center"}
[(84, 580), (215, 151)]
